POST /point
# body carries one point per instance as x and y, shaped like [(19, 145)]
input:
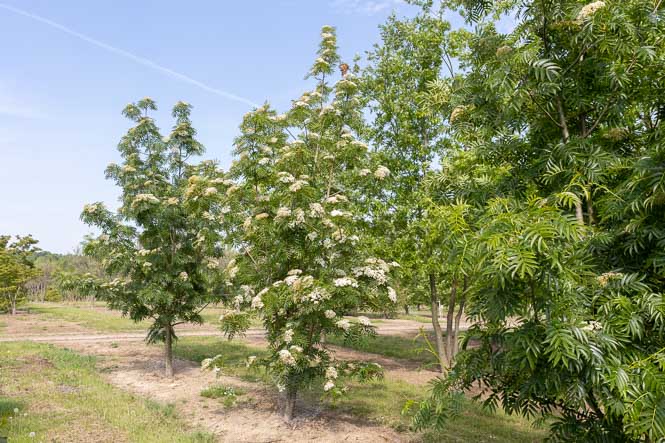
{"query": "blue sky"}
[(61, 94)]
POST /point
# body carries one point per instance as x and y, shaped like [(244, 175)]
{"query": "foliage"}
[(298, 207), (162, 246), (558, 121), (16, 269)]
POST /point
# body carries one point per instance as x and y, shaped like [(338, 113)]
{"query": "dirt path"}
[(131, 365)]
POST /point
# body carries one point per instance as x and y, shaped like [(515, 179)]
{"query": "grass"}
[(234, 354), (95, 317), (392, 346), (228, 394), (379, 401), (86, 316), (60, 396)]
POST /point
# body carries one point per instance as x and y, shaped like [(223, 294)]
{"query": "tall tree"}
[(162, 246), (302, 262), (412, 54), (570, 312)]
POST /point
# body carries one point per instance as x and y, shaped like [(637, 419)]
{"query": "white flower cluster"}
[(346, 281), (285, 177), (288, 336), (343, 324), (330, 314), (283, 212), (589, 10), (375, 268), (381, 172), (286, 357), (364, 321), (144, 198), (317, 296), (297, 185), (316, 210), (392, 295), (331, 373), (91, 209)]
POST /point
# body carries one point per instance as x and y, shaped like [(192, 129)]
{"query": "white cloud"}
[(368, 7)]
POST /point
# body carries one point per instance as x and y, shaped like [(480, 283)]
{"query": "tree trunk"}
[(168, 352), (579, 214), (438, 336), (289, 404), (590, 211), (406, 309), (458, 317), (450, 334)]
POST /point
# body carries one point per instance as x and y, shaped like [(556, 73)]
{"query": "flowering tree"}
[(163, 243), (302, 263)]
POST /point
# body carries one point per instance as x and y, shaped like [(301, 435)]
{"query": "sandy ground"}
[(129, 364)]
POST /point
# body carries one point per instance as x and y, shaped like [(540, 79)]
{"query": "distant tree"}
[(16, 268), (162, 247), (407, 139)]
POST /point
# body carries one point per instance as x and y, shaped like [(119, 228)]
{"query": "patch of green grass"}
[(416, 317), (3, 325), (60, 396), (109, 321), (228, 394), (392, 346), (383, 402), (91, 318), (234, 354), (379, 401)]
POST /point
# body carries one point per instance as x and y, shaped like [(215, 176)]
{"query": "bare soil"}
[(138, 368), (129, 364)]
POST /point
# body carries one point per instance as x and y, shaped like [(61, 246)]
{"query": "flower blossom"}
[(286, 357), (364, 321), (257, 303), (346, 281), (589, 10), (147, 198), (297, 185), (330, 314), (392, 295), (328, 386), (343, 324), (331, 373), (285, 177), (288, 335), (283, 212), (381, 172)]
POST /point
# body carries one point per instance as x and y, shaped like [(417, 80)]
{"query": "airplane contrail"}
[(121, 52)]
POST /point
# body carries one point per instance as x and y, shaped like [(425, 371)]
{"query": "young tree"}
[(302, 262), (162, 246), (16, 268), (412, 54)]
